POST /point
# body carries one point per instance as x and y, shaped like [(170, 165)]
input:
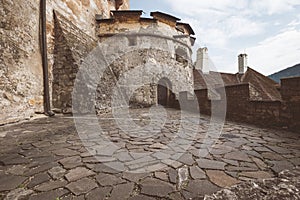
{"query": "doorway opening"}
[(164, 92)]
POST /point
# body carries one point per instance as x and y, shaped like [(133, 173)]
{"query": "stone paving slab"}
[(46, 159)]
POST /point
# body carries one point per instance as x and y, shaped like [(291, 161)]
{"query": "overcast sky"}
[(267, 30)]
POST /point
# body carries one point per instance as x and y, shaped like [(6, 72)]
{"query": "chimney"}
[(243, 63), (202, 59)]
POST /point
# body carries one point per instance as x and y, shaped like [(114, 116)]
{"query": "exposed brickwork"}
[(237, 97), (290, 91), (243, 106), (71, 46)]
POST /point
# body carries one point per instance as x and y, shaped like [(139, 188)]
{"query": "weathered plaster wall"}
[(142, 81), (154, 44), (20, 61), (21, 86)]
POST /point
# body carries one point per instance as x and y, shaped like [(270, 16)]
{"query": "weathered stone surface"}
[(65, 152), (134, 177), (173, 163), (260, 163), (172, 175), (279, 150), (272, 156), (38, 179), (295, 161), (158, 146), (237, 155), (19, 193), (71, 162), (78, 173), (187, 159), (47, 186), (231, 162), (197, 173), (53, 194), (233, 168), (176, 196), (82, 186), (210, 164), (123, 156), (139, 197), (162, 176), (3, 134), (98, 193), (122, 191), (41, 168), (155, 187), (279, 166), (262, 149), (17, 170), (108, 180), (14, 159), (221, 179), (42, 161), (257, 174), (101, 168), (57, 172), (161, 155), (10, 182), (220, 151), (201, 187), (73, 197)]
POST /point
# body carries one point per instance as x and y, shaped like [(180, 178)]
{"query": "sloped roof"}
[(164, 15), (266, 87), (214, 79), (187, 26), (263, 84)]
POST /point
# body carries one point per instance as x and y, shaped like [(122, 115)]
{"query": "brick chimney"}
[(243, 63), (202, 59)]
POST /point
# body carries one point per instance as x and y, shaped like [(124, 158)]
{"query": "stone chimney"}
[(243, 63), (202, 58)]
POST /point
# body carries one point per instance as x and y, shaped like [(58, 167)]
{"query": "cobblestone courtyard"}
[(45, 158)]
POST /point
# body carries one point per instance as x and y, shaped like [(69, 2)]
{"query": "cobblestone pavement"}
[(46, 159)]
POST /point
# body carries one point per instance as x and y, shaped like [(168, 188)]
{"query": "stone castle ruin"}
[(147, 61)]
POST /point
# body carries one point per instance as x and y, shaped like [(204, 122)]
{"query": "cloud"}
[(241, 27), (276, 53), (229, 7), (270, 27), (192, 7), (272, 7), (208, 35), (218, 21)]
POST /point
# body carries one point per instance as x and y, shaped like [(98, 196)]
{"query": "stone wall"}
[(204, 101), (71, 46), (242, 105), (265, 112), (21, 80), (237, 97), (146, 44), (133, 74), (290, 92)]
